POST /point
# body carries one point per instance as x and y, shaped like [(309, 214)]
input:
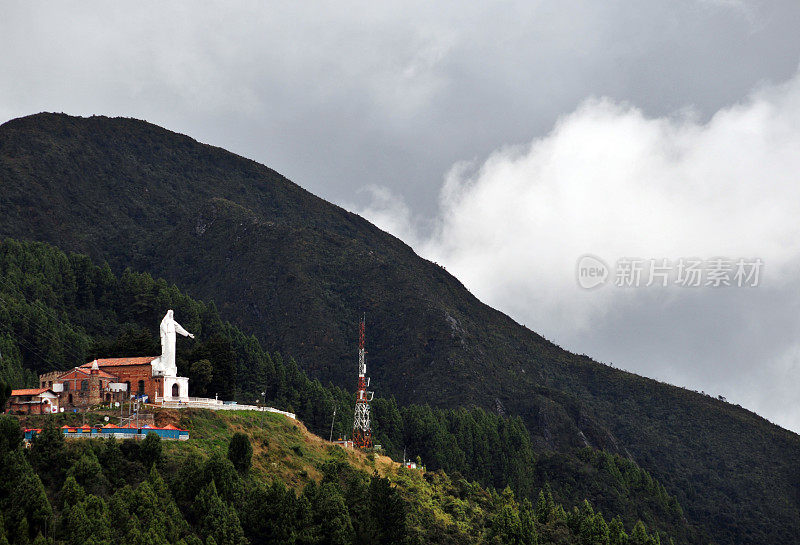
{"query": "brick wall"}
[(75, 397), (28, 408), (46, 380), (135, 373)]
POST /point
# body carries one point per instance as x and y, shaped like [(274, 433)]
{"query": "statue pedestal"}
[(176, 388)]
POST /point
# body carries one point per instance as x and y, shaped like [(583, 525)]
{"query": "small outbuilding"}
[(33, 401)]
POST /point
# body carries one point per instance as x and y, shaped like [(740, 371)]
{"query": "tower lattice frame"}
[(362, 430)]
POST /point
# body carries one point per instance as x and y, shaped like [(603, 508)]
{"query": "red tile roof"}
[(75, 370), (142, 360), (29, 391), (83, 371)]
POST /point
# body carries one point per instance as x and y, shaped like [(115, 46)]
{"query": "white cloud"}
[(390, 212), (609, 181)]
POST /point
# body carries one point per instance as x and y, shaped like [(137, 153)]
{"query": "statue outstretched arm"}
[(179, 329)]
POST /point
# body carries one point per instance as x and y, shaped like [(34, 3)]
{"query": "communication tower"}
[(362, 432)]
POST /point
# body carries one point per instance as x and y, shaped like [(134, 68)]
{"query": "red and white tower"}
[(362, 432)]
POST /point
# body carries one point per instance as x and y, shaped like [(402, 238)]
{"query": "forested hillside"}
[(64, 310), (297, 272), (269, 483)]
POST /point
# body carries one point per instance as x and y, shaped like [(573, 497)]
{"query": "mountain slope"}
[(64, 310), (297, 271)]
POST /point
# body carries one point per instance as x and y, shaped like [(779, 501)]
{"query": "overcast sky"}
[(503, 142)]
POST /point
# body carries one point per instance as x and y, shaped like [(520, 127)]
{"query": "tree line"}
[(106, 491)]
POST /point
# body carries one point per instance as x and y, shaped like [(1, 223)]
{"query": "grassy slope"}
[(282, 448), (451, 509), (297, 271)]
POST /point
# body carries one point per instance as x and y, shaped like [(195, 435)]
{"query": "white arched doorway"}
[(176, 388)]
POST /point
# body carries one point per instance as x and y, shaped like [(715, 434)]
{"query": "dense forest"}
[(64, 310), (104, 491)]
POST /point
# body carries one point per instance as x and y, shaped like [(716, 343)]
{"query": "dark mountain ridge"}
[(298, 271)]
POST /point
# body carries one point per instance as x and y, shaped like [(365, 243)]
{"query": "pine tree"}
[(146, 512), (86, 521), (150, 450), (218, 519), (167, 518), (48, 454), (89, 474), (597, 532), (23, 533), (201, 376), (29, 502), (5, 393), (541, 508), (71, 493), (240, 452), (506, 527), (303, 521), (527, 523), (113, 462), (226, 478), (639, 535), (330, 519), (10, 434), (268, 514), (616, 532), (388, 512)]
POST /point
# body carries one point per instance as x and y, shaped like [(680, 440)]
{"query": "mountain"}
[(297, 272)]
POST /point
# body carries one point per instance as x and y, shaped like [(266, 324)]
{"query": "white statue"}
[(165, 364)]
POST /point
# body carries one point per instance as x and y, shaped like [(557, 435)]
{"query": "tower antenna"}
[(332, 421), (362, 431)]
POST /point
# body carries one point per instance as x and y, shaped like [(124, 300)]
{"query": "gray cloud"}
[(370, 105), (353, 93), (610, 181)]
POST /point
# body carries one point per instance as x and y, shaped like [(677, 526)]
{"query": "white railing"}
[(169, 402), (189, 400)]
